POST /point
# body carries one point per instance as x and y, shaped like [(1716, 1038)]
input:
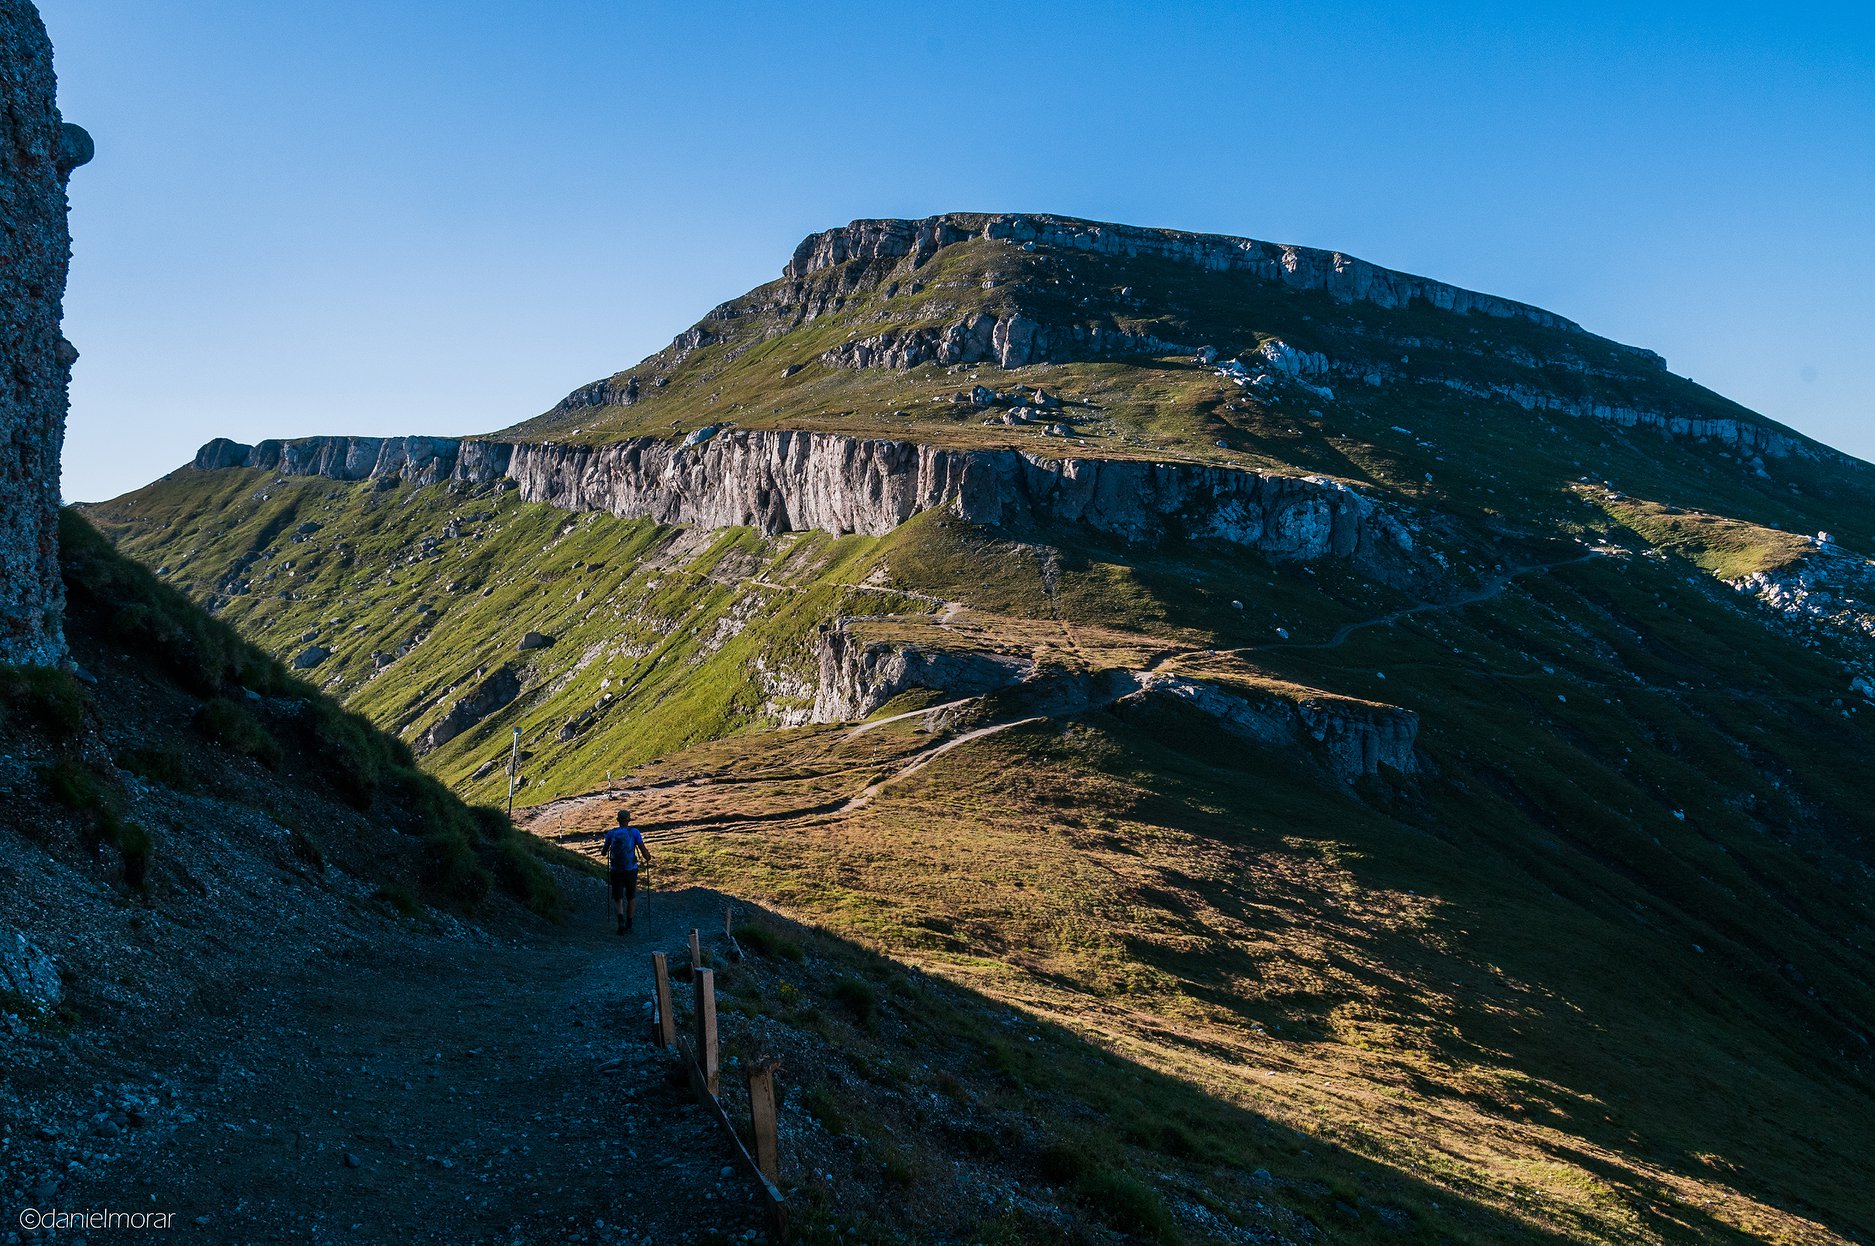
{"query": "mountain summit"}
[(1423, 741)]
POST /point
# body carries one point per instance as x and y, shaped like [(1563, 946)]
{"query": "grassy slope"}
[(1496, 966), (1602, 971), (1523, 979), (183, 703)]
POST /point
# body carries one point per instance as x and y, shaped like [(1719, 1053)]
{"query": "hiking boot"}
[(622, 927)]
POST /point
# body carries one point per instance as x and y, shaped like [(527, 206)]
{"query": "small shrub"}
[(1064, 1162), (133, 846), (358, 759), (822, 1106), (769, 942), (1127, 1203), (229, 724), (52, 699), (305, 849), (15, 1004), (74, 785), (491, 824), (522, 876), (858, 998), (453, 872), (897, 1168), (400, 898), (164, 764)]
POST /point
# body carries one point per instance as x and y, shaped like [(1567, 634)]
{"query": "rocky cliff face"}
[(414, 460), (792, 481), (36, 154), (858, 675), (1302, 268)]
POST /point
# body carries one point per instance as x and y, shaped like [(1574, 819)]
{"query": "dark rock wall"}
[(35, 156)]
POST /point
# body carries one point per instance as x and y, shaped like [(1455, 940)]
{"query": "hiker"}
[(623, 843)]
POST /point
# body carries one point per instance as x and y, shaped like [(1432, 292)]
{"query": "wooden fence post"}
[(667, 1023), (762, 1117), (696, 952), (706, 1027)]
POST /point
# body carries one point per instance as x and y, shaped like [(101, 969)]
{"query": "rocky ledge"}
[(1353, 738), (797, 481), (1303, 268)]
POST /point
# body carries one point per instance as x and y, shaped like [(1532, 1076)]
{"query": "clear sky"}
[(398, 216)]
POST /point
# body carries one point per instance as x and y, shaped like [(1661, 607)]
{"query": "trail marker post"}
[(707, 1056), (514, 769), (696, 952), (667, 1022)]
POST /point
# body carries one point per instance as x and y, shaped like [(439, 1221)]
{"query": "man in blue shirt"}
[(623, 844)]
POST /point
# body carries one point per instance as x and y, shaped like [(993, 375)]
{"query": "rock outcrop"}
[(1007, 339), (37, 153), (1356, 738), (793, 481), (858, 676), (27, 974), (415, 460), (1353, 738), (1302, 268), (490, 693), (1831, 590)]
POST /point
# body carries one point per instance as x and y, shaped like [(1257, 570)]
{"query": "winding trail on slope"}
[(1489, 589), (555, 812)]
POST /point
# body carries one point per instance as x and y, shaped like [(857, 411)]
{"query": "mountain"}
[(1412, 721)]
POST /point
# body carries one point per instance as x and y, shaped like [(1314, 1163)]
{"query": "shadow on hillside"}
[(1026, 1103), (1530, 988), (939, 1100)]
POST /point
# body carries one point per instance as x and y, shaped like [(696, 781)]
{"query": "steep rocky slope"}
[(1405, 718)]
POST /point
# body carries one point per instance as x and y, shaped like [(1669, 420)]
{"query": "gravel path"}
[(440, 1091)]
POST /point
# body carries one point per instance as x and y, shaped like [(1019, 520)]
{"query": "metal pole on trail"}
[(514, 767)]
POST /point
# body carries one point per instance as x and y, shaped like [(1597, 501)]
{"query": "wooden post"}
[(729, 916), (762, 1116), (706, 1027), (696, 952), (667, 1023)]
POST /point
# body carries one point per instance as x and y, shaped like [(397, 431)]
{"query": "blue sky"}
[(397, 217)]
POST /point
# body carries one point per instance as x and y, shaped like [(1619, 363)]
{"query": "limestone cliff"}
[(858, 675), (1303, 268), (36, 154), (795, 481)]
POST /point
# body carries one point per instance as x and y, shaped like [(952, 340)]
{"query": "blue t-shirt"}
[(623, 841)]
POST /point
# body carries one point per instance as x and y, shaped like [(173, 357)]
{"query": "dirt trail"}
[(553, 818), (1491, 588), (445, 1090)]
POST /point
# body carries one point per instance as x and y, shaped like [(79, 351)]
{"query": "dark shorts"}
[(624, 884)]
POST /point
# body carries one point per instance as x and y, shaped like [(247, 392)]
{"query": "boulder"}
[(535, 640), (490, 694), (26, 973), (310, 657)]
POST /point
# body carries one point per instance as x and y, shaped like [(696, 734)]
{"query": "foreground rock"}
[(36, 155)]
